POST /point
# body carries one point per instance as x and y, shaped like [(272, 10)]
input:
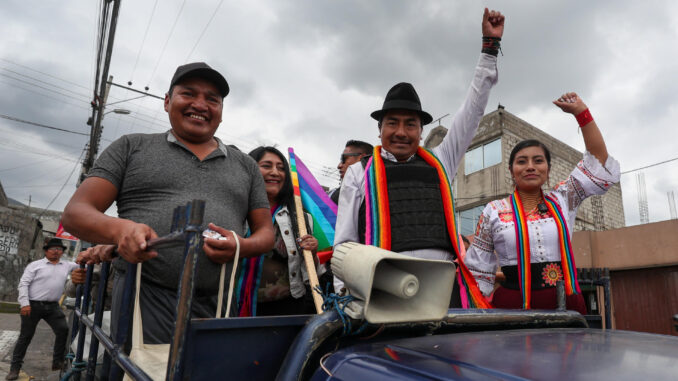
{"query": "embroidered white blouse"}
[(496, 232)]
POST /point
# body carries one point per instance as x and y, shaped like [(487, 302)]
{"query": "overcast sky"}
[(307, 74)]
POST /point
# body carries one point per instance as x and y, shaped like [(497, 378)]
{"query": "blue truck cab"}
[(459, 344)]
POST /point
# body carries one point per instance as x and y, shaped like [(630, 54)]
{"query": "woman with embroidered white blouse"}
[(530, 230)]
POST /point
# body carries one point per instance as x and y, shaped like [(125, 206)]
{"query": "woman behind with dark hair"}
[(530, 231), (276, 283)]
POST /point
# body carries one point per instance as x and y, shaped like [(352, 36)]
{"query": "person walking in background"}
[(40, 288)]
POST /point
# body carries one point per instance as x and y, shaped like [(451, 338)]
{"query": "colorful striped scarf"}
[(523, 247), (249, 279), (378, 219)]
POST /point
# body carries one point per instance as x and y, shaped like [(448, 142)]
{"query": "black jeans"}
[(52, 314)]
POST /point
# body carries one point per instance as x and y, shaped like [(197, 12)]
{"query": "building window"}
[(468, 219), (482, 157)]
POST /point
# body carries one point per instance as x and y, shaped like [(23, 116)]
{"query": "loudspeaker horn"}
[(394, 287)]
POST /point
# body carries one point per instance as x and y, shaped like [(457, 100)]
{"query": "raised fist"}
[(493, 23)]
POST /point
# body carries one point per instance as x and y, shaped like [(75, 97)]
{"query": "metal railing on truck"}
[(252, 348)]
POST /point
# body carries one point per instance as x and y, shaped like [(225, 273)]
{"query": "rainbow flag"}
[(315, 201)]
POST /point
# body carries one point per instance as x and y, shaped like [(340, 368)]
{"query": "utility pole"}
[(99, 102), (95, 135)]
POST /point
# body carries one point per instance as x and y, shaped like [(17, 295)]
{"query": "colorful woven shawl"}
[(378, 220), (523, 247), (249, 279)]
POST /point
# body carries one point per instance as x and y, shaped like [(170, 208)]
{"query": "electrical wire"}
[(42, 125), (46, 96), (44, 82), (95, 46), (45, 74), (41, 87), (650, 166), (30, 138), (32, 186), (17, 147), (28, 164), (143, 41), (101, 37), (216, 10), (162, 52), (63, 186)]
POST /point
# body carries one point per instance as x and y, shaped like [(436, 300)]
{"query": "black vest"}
[(416, 207)]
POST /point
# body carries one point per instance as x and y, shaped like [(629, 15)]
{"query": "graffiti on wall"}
[(9, 240)]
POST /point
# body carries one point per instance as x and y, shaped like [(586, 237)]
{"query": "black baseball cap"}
[(203, 70)]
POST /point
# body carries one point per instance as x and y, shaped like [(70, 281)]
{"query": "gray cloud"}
[(308, 73)]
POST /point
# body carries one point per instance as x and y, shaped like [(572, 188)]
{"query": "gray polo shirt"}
[(154, 173)]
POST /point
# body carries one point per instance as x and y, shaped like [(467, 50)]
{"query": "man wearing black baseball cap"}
[(148, 175), (418, 206)]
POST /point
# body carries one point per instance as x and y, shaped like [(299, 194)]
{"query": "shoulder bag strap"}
[(220, 296), (137, 326)]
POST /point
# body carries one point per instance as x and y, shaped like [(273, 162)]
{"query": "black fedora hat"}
[(54, 242), (202, 70), (403, 96)]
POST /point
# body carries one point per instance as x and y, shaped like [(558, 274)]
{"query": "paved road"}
[(38, 362)]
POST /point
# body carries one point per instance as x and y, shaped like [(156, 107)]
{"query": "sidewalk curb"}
[(9, 307)]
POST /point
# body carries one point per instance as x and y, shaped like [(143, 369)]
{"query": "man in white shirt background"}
[(40, 289)]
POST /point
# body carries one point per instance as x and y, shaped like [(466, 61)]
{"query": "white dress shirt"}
[(44, 281), (449, 152)]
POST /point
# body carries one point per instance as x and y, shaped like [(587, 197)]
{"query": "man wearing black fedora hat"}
[(40, 288), (148, 175), (410, 182)]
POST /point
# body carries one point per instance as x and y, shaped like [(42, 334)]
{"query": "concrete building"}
[(21, 241), (643, 264), (23, 232), (483, 174)]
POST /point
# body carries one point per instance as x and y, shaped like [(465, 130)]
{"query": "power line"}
[(45, 95), (63, 186), (42, 125), (45, 74), (39, 176), (651, 165), (101, 37), (204, 30), (16, 147), (28, 165), (99, 101), (44, 82), (162, 52), (62, 88), (92, 67), (30, 138), (143, 41), (42, 87), (32, 186)]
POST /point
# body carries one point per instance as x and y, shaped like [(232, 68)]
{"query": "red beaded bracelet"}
[(584, 118)]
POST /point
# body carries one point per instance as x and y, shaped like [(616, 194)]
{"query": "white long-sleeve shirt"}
[(495, 232), (449, 152), (44, 281)]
